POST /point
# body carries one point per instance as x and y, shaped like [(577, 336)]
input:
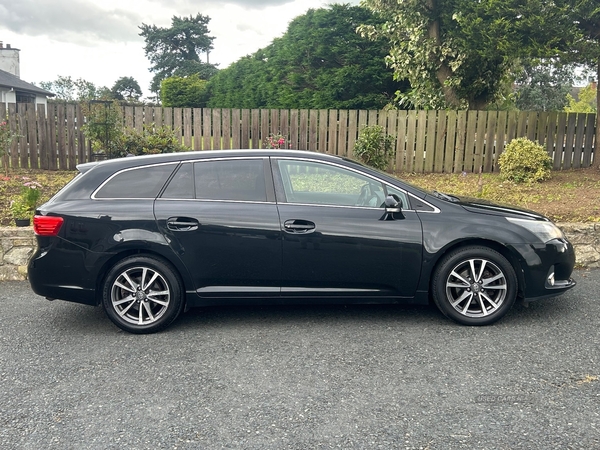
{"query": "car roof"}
[(133, 161)]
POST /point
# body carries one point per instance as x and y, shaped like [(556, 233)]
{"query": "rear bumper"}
[(58, 270)]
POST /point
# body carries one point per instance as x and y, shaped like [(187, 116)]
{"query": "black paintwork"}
[(275, 251)]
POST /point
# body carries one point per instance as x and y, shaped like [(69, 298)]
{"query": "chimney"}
[(9, 59)]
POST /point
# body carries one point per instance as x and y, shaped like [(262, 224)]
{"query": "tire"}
[(142, 295), (474, 286)]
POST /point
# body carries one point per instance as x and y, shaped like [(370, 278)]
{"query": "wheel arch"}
[(179, 271), (494, 245)]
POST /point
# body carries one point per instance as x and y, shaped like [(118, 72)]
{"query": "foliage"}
[(126, 88), (68, 90), (525, 161), (319, 63), (175, 51), (458, 53), (374, 147), (10, 188), (24, 205), (19, 209), (104, 127), (275, 141), (150, 140), (586, 102), (543, 86), (188, 92)]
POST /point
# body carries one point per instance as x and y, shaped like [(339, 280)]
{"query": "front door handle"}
[(298, 226), (182, 224)]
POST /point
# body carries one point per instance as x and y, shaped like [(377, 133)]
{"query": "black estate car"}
[(149, 236)]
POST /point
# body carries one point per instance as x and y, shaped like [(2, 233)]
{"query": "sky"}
[(98, 40)]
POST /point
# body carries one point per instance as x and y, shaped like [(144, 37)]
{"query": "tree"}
[(459, 53), (175, 51), (188, 92), (68, 90), (320, 62), (586, 102), (126, 88), (543, 86), (585, 17)]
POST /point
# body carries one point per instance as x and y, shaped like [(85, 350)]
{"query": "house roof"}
[(10, 81)]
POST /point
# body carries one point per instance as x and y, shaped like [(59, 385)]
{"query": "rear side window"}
[(235, 179), (141, 182), (182, 184)]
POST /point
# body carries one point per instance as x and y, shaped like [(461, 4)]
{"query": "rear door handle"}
[(298, 226), (182, 224)]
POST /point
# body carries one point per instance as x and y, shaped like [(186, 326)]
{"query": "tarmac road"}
[(356, 377)]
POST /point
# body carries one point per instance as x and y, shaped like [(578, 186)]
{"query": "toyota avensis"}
[(149, 236)]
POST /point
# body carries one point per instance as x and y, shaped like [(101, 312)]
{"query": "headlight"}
[(546, 231)]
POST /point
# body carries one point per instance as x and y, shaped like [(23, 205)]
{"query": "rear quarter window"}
[(140, 182)]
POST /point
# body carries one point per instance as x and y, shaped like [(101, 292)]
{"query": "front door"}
[(337, 239)]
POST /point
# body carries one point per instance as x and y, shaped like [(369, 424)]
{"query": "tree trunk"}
[(444, 72), (477, 104)]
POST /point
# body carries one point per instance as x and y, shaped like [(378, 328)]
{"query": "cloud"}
[(66, 20), (198, 6)]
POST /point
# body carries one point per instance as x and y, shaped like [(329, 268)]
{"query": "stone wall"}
[(18, 245)]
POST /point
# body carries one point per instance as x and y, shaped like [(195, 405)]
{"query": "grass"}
[(569, 196)]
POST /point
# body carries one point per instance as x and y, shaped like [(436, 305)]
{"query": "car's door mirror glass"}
[(399, 195)]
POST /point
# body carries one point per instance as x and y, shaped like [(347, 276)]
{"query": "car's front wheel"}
[(474, 286), (142, 294)]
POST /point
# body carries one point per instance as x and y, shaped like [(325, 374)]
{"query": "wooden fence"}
[(425, 141)]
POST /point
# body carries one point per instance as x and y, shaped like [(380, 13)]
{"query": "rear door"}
[(219, 216)]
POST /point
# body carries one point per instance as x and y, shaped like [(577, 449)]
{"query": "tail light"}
[(47, 225)]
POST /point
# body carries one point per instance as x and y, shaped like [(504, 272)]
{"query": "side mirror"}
[(392, 204)]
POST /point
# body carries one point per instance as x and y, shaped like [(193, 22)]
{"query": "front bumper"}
[(547, 269)]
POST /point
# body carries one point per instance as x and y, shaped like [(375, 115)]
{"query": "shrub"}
[(524, 161), (374, 147), (103, 127), (149, 141)]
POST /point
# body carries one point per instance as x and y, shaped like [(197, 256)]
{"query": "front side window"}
[(141, 182), (317, 183), (235, 179)]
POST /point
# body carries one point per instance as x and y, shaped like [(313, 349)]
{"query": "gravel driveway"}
[(356, 377)]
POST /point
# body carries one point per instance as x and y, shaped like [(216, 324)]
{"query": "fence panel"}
[(590, 134), (578, 147), (52, 137), (440, 142)]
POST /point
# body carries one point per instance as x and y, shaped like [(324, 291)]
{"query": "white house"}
[(12, 88)]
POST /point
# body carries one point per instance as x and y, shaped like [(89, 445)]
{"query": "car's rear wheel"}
[(142, 294), (474, 286)]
